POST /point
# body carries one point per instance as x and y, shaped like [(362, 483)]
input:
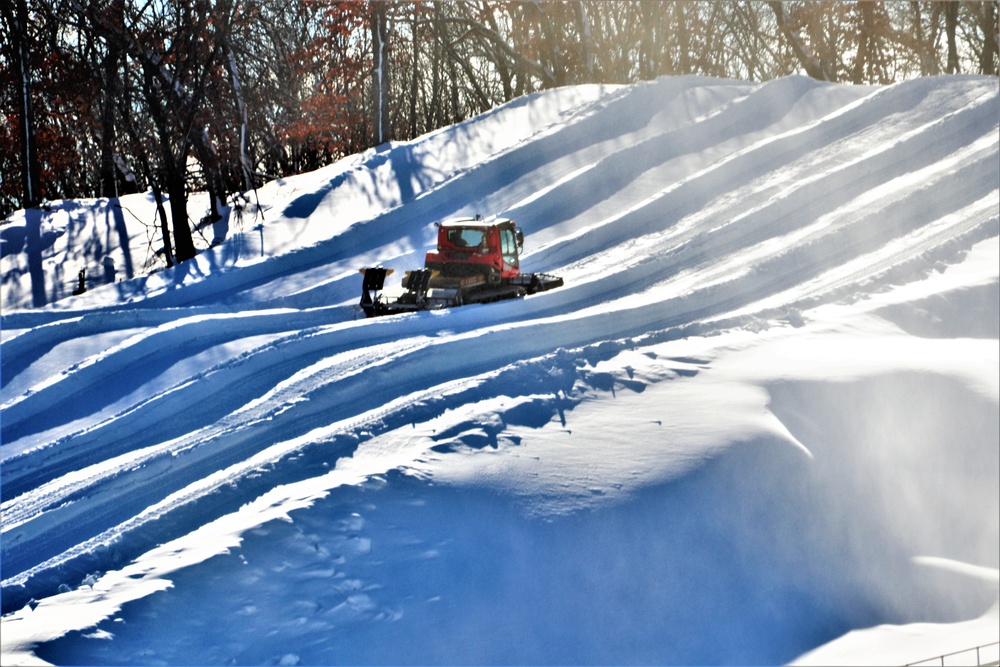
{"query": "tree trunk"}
[(991, 38), (499, 60), (245, 167), (213, 176), (112, 64), (414, 78), (865, 38), (647, 43), (434, 116), (183, 240), (164, 227), (17, 21), (586, 41), (810, 63), (950, 26), (173, 171), (380, 72)]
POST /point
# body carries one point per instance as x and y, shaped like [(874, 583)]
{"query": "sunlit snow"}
[(760, 423)]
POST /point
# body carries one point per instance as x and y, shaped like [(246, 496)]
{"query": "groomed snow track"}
[(675, 208)]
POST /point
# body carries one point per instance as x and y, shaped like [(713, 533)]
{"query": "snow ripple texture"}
[(760, 415)]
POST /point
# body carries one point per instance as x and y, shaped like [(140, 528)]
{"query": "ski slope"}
[(758, 425)]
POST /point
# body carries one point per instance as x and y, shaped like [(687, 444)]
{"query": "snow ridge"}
[(729, 251)]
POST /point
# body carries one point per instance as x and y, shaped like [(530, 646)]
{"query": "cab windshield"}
[(466, 237)]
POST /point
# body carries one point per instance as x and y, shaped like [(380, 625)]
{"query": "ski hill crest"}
[(757, 425)]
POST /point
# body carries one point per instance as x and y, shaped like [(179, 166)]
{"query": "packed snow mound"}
[(762, 413)]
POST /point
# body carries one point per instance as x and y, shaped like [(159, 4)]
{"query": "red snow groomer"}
[(476, 261)]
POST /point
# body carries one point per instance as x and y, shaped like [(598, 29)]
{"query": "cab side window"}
[(508, 246)]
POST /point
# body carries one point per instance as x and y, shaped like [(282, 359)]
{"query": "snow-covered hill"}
[(758, 425)]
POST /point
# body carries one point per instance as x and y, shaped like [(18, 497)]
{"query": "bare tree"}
[(379, 24), (983, 34), (950, 28), (807, 57), (249, 89)]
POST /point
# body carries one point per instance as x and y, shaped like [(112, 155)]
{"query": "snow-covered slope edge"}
[(712, 445)]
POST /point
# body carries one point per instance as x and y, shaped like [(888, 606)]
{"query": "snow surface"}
[(758, 425)]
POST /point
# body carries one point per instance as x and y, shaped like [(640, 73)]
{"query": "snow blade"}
[(418, 280), (537, 282), (371, 288)]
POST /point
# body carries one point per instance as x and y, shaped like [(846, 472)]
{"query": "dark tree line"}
[(106, 97)]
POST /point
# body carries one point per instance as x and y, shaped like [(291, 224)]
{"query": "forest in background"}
[(107, 97)]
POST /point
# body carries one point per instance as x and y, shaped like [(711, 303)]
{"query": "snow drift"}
[(759, 424)]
